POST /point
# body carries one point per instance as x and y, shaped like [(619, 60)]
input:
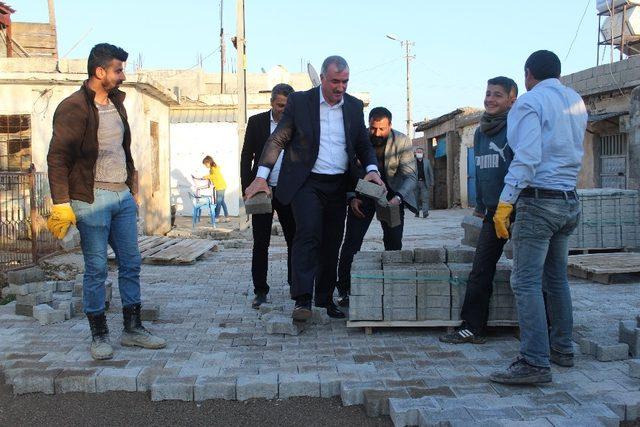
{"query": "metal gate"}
[(613, 161), (24, 204)]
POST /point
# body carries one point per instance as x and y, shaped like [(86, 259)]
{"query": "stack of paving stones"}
[(422, 284), (46, 301)]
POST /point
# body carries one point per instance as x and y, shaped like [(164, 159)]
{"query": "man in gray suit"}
[(425, 183), (397, 168)]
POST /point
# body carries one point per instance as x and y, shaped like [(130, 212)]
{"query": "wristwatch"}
[(399, 198)]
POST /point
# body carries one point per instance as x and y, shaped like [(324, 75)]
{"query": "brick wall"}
[(604, 77)]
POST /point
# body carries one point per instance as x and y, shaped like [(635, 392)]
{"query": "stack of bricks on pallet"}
[(365, 301), (609, 219), (399, 293), (433, 290)]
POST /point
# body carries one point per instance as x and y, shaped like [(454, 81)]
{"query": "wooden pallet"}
[(368, 325), (606, 268), (167, 250), (585, 251)]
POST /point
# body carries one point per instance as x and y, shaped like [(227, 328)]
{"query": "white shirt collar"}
[(271, 117), (339, 104)]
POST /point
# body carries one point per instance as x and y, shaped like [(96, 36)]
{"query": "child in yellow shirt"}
[(216, 178)]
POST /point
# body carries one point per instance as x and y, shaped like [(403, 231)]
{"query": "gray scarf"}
[(492, 124)]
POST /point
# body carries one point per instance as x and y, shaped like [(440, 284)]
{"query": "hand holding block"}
[(369, 189), (388, 213), (258, 204)]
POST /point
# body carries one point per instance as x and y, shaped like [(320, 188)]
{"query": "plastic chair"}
[(201, 198)]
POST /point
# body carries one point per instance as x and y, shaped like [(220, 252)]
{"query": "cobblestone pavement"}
[(218, 347)]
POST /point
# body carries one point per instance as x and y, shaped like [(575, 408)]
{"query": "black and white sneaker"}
[(462, 336)]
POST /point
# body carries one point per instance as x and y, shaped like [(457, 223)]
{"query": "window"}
[(155, 152), (15, 142)]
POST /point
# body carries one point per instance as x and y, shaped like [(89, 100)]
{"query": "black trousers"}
[(319, 209), (475, 310), (261, 228), (354, 235)]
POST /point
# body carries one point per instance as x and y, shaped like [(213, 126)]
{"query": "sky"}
[(458, 45)]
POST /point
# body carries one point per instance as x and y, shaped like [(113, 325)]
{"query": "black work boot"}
[(134, 334), (100, 346)]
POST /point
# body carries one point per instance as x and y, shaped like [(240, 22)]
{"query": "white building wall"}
[(40, 101), (466, 141)]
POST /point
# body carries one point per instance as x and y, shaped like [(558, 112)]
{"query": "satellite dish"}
[(313, 75)]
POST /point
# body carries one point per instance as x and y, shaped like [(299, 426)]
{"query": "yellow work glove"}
[(502, 219), (61, 218)]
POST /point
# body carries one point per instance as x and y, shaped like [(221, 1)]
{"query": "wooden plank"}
[(154, 250), (187, 254), (36, 41), (168, 254), (19, 28), (197, 250), (611, 263)]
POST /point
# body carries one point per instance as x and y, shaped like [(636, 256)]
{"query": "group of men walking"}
[(307, 152)]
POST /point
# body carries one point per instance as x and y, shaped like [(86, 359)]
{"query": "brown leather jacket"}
[(74, 145)]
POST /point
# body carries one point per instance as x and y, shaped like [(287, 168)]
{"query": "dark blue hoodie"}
[(492, 157)]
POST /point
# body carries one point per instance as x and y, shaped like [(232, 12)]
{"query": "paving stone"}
[(531, 412), (588, 347), (35, 381), (460, 254), (257, 386), (149, 312), (634, 368), (214, 388), (433, 418), (472, 225), (609, 353), (64, 286), (330, 382), (76, 380), (290, 385), (370, 190), (481, 414), (376, 402), (77, 289), (35, 298), (173, 388), (148, 375), (405, 412), (117, 379), (404, 256), (66, 307), (25, 275), (276, 323), (258, 204), (24, 310), (629, 333), (46, 315), (388, 213), (352, 392), (626, 405), (429, 255), (401, 314)]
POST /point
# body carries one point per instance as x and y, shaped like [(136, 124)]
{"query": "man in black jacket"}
[(324, 135), (259, 128), (492, 159)]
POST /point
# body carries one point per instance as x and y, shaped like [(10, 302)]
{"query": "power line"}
[(578, 29)]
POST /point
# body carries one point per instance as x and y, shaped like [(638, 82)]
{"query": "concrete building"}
[(32, 88), (610, 144), (448, 143)]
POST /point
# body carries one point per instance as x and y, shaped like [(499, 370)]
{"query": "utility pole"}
[(241, 115), (406, 44), (222, 49)]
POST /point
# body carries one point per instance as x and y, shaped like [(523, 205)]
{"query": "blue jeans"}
[(220, 203), (111, 218), (540, 237)]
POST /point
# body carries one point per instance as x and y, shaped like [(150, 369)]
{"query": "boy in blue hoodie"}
[(492, 159)]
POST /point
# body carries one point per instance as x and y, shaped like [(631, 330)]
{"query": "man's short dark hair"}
[(101, 56), (543, 64), (379, 113), (281, 89), (338, 61), (505, 83)]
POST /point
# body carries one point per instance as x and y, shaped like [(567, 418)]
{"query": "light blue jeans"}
[(111, 218), (221, 204), (540, 238)]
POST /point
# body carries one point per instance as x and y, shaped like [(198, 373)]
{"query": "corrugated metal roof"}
[(203, 115)]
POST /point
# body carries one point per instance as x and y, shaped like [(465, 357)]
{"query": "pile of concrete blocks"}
[(421, 285), (37, 298), (471, 225), (610, 219)]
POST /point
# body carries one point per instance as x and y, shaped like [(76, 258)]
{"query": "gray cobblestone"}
[(629, 333), (148, 375), (634, 368), (257, 386), (173, 388), (115, 379), (352, 392), (76, 380), (405, 412), (25, 275), (35, 381), (215, 388), (429, 255), (278, 323), (290, 385), (609, 353)]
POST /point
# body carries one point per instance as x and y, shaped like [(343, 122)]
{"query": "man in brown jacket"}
[(90, 174)]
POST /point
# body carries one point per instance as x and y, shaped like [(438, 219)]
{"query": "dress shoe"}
[(301, 311), (343, 300), (258, 301), (334, 312)]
